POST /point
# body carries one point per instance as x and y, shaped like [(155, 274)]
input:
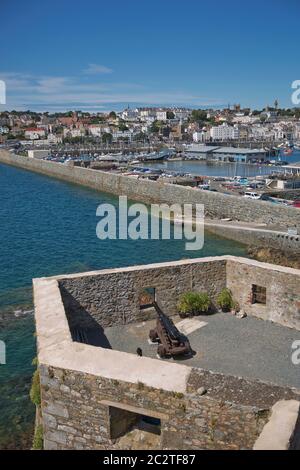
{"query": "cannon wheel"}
[(161, 351), (153, 336)]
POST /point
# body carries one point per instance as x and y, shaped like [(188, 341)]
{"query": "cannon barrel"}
[(173, 332)]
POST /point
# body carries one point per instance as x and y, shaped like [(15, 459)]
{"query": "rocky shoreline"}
[(11, 314), (273, 256)]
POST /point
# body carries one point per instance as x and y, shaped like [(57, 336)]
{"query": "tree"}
[(297, 113), (123, 127), (199, 115), (170, 115), (107, 138), (112, 115), (140, 137), (155, 126)]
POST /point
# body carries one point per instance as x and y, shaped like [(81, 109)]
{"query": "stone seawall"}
[(288, 244), (216, 205)]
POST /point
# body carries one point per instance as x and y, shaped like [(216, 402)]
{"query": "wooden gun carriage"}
[(171, 341)]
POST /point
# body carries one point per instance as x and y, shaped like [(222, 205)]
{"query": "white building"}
[(146, 113), (76, 132), (4, 130), (35, 133), (129, 114), (202, 136), (224, 132), (242, 119), (54, 139), (181, 114), (161, 115), (95, 130)]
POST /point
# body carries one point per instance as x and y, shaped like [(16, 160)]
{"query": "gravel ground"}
[(247, 347)]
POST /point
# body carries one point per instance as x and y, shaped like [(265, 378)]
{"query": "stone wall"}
[(113, 298), (282, 289), (289, 244), (230, 415), (85, 389), (216, 205)]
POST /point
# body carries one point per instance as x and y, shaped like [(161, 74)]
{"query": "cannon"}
[(171, 341)]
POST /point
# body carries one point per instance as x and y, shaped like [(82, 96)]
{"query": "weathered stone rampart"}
[(112, 297), (92, 395)]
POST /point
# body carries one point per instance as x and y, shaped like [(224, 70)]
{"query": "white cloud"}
[(77, 92), (96, 69)]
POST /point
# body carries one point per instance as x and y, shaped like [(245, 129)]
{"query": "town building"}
[(161, 115), (201, 136), (199, 151), (224, 132), (34, 133), (243, 155)]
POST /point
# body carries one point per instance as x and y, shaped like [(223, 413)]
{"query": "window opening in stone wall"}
[(259, 294), (134, 429), (147, 297)]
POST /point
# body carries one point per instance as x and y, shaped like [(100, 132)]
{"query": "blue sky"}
[(101, 55)]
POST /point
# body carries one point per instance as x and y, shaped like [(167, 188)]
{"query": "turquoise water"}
[(48, 227)]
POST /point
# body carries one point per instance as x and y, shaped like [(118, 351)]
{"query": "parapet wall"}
[(282, 290), (216, 205), (112, 296), (90, 393), (77, 410)]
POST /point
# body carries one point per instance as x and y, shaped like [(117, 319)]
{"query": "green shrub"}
[(34, 361), (35, 391), (225, 300), (38, 440), (193, 303)]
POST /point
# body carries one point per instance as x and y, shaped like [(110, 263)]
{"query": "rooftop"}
[(200, 148), (93, 322), (239, 150)]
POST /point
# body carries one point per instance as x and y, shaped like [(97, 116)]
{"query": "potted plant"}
[(193, 303), (225, 300)]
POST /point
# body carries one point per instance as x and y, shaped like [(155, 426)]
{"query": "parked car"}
[(251, 195)]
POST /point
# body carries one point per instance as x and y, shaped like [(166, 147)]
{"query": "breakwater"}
[(216, 205), (284, 242)]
